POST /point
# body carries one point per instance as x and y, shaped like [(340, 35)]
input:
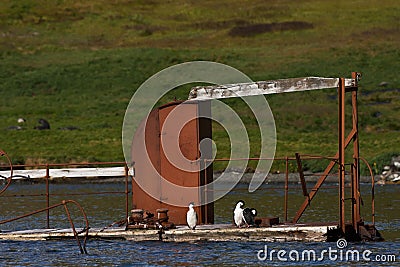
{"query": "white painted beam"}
[(66, 172), (265, 87)]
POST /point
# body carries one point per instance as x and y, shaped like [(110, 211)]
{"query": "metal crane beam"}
[(266, 87)]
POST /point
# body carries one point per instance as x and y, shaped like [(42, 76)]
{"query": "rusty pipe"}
[(2, 153)]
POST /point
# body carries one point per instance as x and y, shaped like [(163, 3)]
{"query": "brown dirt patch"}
[(255, 29)]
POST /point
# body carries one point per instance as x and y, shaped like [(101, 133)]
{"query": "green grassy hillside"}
[(78, 63)]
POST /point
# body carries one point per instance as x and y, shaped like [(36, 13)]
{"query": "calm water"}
[(104, 209)]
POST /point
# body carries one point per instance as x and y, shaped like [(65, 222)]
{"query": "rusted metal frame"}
[(265, 87), (71, 164), (30, 214), (76, 235), (313, 192), (320, 181), (2, 153), (356, 216), (372, 189), (132, 185), (64, 203), (308, 156), (304, 156), (47, 196), (286, 188), (67, 194), (205, 192), (84, 193), (200, 180), (341, 158), (353, 198), (126, 192), (301, 173)]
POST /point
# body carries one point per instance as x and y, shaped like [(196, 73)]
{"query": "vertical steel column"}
[(356, 161), (126, 192), (47, 197), (204, 194), (133, 185), (341, 158), (286, 187)]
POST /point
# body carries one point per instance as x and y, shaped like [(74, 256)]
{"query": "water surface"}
[(106, 208)]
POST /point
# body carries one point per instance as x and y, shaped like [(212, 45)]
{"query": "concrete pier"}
[(215, 232)]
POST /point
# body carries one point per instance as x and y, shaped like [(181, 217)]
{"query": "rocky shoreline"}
[(294, 178), (391, 173)]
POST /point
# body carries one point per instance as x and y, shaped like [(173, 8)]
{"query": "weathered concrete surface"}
[(265, 87), (216, 232), (66, 173)]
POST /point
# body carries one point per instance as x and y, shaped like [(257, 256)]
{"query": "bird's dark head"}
[(191, 204)]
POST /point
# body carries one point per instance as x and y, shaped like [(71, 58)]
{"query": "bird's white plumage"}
[(238, 214), (191, 217)]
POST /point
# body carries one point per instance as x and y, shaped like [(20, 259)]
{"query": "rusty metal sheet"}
[(148, 131), (266, 87), (177, 159), (172, 136)]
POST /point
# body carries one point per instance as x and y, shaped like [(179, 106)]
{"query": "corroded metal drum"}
[(162, 215), (136, 216)]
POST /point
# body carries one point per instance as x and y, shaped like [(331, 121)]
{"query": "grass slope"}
[(78, 63)]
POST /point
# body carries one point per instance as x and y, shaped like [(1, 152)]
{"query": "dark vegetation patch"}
[(254, 29), (218, 25), (381, 32), (145, 30)]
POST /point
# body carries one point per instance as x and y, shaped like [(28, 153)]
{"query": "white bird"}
[(396, 164), (191, 216), (238, 214)]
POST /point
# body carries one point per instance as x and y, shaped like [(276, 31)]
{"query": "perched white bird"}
[(396, 164), (238, 214), (191, 217)]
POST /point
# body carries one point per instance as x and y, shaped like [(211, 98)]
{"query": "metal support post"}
[(341, 158), (356, 217)]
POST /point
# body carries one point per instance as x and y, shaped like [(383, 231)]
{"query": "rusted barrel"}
[(162, 215), (137, 215)]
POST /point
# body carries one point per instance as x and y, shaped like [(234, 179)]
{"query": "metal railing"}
[(48, 195), (126, 192)]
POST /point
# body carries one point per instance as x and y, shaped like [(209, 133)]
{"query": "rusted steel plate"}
[(171, 141), (146, 173), (179, 149), (266, 87)]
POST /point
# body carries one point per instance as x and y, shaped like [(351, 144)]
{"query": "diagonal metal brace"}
[(321, 180), (301, 173)]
